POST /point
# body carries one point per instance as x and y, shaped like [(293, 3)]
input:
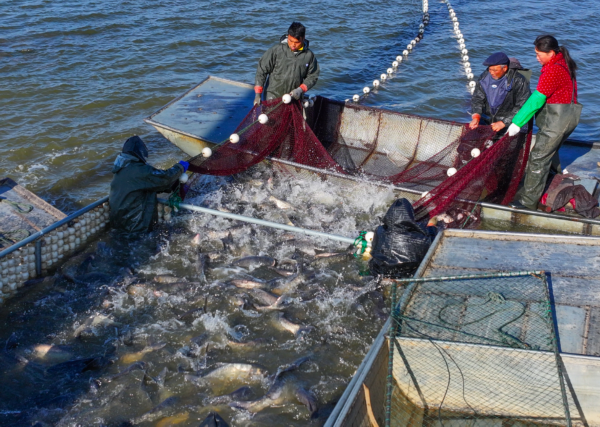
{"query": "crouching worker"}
[(132, 199)]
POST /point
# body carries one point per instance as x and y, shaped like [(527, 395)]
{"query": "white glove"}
[(513, 129)]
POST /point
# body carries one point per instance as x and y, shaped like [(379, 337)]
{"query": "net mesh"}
[(357, 143), (477, 350)]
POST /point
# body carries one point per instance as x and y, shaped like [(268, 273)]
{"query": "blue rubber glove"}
[(185, 165)]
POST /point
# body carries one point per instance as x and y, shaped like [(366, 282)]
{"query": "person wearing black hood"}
[(132, 199), (499, 94)]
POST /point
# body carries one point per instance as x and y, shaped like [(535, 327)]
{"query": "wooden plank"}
[(584, 373), (571, 327), (370, 414), (593, 335), (569, 259)]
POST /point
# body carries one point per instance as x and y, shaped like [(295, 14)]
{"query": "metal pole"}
[(263, 222)]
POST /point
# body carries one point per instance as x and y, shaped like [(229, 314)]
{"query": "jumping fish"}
[(52, 353), (280, 203), (95, 321), (255, 261), (201, 267), (134, 357), (228, 371), (294, 328)]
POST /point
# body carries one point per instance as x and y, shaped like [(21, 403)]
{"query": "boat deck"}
[(572, 265)]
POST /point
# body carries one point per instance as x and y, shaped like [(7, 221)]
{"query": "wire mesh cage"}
[(477, 350)]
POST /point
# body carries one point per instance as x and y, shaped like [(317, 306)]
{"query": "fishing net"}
[(350, 143), (477, 350)]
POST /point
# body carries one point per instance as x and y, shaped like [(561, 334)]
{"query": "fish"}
[(280, 203), (255, 261), (197, 239), (173, 420), (165, 278), (52, 353), (283, 390), (92, 322), (248, 344), (286, 268), (80, 365), (201, 267), (214, 420), (289, 326), (263, 297), (242, 393), (134, 357), (248, 283), (157, 411), (228, 371), (133, 367)]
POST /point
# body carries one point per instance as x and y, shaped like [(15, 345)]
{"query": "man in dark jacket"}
[(499, 94), (290, 66), (132, 199)]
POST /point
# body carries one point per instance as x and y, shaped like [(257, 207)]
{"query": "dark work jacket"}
[(287, 70), (132, 199), (515, 98)]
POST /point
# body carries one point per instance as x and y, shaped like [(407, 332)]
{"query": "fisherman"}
[(554, 102), (132, 199), (499, 94), (291, 67)]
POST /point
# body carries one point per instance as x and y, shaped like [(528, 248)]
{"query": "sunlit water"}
[(76, 80)]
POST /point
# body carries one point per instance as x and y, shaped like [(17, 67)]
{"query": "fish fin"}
[(308, 399)]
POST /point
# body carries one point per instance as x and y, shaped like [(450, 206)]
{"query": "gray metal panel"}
[(210, 111)]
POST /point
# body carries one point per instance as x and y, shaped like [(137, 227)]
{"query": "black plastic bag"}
[(400, 244)]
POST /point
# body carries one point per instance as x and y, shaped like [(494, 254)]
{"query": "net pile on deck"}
[(402, 150)]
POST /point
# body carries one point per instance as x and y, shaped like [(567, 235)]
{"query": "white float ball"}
[(306, 104), (461, 40), (465, 58), (287, 98), (183, 178), (395, 64), (366, 89), (456, 25), (206, 152), (464, 51), (472, 83), (405, 53), (383, 76), (234, 138), (470, 76), (421, 26), (457, 32), (451, 171), (375, 83), (399, 58), (355, 98), (467, 70), (390, 70), (454, 19), (472, 90), (475, 152), (467, 65), (421, 31), (461, 45), (413, 42), (263, 119), (369, 236), (409, 47), (452, 14)]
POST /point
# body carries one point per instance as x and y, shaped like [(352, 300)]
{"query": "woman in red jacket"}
[(557, 112)]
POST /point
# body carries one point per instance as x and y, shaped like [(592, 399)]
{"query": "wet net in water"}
[(477, 350), (349, 143)]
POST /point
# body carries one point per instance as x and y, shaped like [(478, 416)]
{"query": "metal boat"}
[(208, 113)]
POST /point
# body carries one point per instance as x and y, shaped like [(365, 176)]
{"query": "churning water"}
[(131, 331)]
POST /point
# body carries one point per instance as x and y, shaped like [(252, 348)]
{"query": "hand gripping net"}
[(381, 147)]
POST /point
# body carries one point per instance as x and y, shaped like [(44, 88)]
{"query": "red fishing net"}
[(411, 153)]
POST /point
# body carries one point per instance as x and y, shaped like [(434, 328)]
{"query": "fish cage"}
[(477, 350)]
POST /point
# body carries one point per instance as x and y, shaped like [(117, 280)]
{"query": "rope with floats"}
[(390, 72), (462, 46)]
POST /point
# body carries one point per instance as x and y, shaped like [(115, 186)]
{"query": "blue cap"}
[(498, 58)]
